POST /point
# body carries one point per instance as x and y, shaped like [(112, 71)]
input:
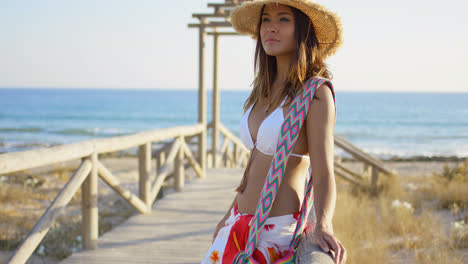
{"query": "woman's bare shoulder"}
[(323, 102)]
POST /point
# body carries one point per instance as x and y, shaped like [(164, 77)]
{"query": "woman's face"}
[(277, 30)]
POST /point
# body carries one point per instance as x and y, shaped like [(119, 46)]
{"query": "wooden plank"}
[(202, 99), (210, 25), (144, 172), (225, 131), (215, 105), (13, 162), (125, 142), (179, 175), (114, 183), (164, 171), (349, 178), (192, 161), (208, 15), (18, 161), (224, 33), (178, 230), (42, 226), (89, 207), (361, 155), (221, 5), (348, 171)]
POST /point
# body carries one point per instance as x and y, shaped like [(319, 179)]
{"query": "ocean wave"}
[(21, 129), (418, 136), (391, 122), (386, 152), (91, 132)]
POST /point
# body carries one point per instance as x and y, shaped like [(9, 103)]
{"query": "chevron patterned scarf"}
[(288, 136)]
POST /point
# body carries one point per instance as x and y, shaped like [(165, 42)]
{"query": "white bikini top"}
[(268, 132)]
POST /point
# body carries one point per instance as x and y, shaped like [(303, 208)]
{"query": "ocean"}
[(384, 124)]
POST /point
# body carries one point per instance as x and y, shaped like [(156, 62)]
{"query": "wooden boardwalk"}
[(178, 230)]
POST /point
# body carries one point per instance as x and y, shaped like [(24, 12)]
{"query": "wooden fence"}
[(170, 158), (169, 161)]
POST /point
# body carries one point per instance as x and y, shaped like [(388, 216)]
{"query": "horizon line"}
[(207, 89)]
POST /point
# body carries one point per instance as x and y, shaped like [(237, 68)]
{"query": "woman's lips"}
[(272, 40)]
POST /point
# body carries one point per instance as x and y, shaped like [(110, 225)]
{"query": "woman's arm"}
[(320, 123), (226, 216)]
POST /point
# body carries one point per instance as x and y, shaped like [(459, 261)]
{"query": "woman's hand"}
[(323, 236), (218, 227)]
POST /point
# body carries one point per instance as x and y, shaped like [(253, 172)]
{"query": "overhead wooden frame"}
[(214, 24)]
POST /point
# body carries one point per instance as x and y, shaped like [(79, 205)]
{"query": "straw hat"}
[(328, 28)]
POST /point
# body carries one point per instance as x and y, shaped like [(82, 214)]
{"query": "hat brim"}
[(327, 24)]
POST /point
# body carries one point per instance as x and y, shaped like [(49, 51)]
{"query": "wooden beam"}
[(202, 99), (242, 159), (164, 170), (225, 34), (164, 148), (144, 170), (207, 15), (89, 207), (18, 161), (125, 142), (114, 183), (225, 131), (179, 174), (192, 161), (361, 155), (215, 105), (374, 179), (348, 178), (226, 5), (210, 24), (40, 229), (348, 171)]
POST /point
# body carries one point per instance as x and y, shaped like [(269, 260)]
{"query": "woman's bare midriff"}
[(291, 192), (289, 197)]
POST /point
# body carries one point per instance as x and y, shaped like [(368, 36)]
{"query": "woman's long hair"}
[(307, 63)]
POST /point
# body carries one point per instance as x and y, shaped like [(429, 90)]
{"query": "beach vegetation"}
[(411, 220)]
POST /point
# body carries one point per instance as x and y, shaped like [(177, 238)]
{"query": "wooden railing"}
[(373, 167), (367, 179), (233, 153), (169, 158)]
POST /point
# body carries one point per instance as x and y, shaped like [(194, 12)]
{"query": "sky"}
[(399, 45)]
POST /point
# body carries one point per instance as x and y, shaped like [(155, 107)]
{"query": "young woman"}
[(293, 39)]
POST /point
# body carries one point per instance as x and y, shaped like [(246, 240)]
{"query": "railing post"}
[(225, 157), (144, 170), (89, 207), (374, 180), (202, 98), (367, 170), (230, 151), (179, 167), (215, 107), (236, 154), (161, 159)]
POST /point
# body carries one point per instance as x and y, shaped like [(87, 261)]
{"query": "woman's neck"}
[(282, 70)]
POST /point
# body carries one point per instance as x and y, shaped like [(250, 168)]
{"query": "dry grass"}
[(15, 223), (404, 225), (371, 228), (24, 197)]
